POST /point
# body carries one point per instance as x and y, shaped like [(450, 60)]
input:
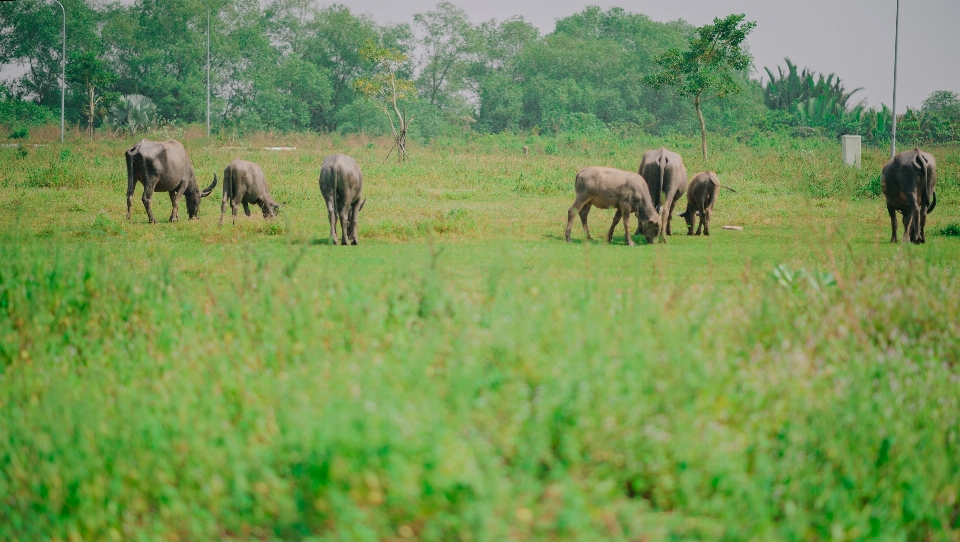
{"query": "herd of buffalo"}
[(908, 183)]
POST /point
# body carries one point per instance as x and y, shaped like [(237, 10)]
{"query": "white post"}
[(63, 69), (850, 149), (896, 41)]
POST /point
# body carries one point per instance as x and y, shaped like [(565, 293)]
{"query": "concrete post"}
[(850, 150)]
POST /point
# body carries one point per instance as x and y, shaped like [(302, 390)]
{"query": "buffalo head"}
[(194, 195)]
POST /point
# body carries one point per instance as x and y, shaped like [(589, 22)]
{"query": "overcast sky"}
[(852, 38)]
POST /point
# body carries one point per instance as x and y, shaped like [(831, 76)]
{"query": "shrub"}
[(133, 112), (951, 230)]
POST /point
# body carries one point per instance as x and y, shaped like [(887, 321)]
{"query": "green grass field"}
[(464, 374)]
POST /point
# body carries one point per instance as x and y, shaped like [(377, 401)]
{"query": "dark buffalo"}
[(908, 182), (163, 166)]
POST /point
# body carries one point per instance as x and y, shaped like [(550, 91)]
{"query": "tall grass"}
[(466, 375)]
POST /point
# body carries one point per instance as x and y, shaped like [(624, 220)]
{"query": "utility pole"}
[(63, 69), (208, 66), (896, 41)]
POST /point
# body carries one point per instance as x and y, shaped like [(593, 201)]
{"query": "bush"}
[(951, 230), (14, 112)]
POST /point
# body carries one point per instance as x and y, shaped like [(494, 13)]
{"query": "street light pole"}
[(208, 66), (896, 40), (63, 68)]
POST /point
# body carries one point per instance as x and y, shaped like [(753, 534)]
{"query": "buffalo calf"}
[(244, 182), (701, 196)]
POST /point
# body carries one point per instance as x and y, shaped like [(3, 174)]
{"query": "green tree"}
[(333, 40), (448, 40), (709, 68), (91, 75), (30, 35), (388, 90)]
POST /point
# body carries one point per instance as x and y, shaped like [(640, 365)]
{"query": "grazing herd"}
[(908, 183), (652, 194)]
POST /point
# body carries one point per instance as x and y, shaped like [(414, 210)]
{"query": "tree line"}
[(289, 65)]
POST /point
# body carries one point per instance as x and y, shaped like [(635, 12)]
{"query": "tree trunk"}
[(703, 128)]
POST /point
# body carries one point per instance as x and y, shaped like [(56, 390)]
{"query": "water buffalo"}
[(701, 195), (625, 191), (908, 182), (341, 184), (666, 176), (244, 182), (163, 166)]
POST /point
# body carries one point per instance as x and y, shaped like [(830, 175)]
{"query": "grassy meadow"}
[(464, 374)]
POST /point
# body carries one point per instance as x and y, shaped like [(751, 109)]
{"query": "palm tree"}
[(133, 112)]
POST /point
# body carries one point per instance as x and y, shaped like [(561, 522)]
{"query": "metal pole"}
[(208, 66), (896, 41), (63, 69)]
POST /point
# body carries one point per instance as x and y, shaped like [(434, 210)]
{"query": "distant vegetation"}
[(290, 66)]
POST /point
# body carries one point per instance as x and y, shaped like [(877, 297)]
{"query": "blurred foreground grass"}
[(464, 374)]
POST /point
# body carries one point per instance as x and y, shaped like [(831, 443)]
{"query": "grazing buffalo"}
[(701, 196), (908, 182), (341, 184), (163, 166), (244, 182), (605, 187), (666, 176)]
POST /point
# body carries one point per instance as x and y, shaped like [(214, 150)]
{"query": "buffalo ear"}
[(207, 190)]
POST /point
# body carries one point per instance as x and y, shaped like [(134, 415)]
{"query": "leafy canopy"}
[(384, 86), (707, 70)]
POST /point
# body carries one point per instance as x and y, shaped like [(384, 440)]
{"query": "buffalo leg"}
[(672, 206), (923, 224), (616, 220), (665, 219), (911, 226), (246, 208), (576, 208), (174, 215), (584, 213), (625, 211), (131, 188), (147, 199), (175, 202), (699, 222), (344, 224), (223, 203), (707, 213), (893, 223), (332, 217), (234, 209)]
